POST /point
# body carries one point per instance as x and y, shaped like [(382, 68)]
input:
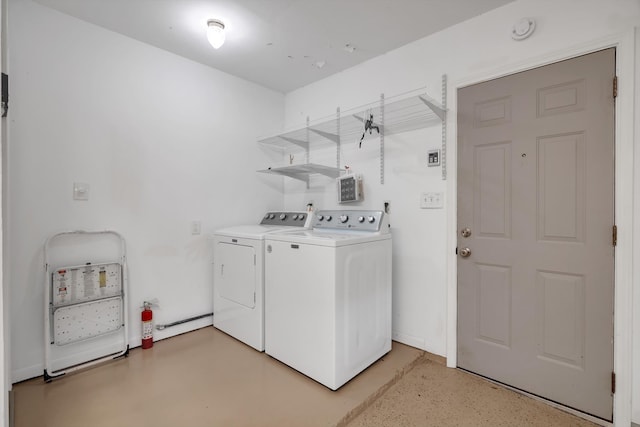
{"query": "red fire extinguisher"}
[(147, 326)]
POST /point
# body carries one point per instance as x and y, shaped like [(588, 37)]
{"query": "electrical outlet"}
[(431, 200), (196, 227), (80, 191)]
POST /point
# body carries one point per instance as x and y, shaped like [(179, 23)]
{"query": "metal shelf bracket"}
[(381, 130), (330, 136), (436, 110), (297, 142), (443, 149)]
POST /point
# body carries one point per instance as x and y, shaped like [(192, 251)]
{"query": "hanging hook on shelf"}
[(369, 125)]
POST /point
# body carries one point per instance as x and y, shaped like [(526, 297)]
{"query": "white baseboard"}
[(37, 370), (27, 373), (409, 340), (181, 329)]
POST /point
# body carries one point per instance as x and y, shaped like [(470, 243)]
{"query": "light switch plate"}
[(433, 158), (432, 200)]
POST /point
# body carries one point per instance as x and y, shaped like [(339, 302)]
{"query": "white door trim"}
[(624, 142)]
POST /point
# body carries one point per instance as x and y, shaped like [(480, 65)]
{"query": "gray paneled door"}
[(536, 200)]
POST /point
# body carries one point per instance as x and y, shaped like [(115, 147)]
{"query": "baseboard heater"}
[(180, 322)]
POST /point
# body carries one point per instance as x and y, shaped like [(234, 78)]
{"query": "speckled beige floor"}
[(206, 378), (203, 378), (433, 395)]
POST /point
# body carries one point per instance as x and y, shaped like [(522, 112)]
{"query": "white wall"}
[(160, 139), (472, 48), (163, 141)]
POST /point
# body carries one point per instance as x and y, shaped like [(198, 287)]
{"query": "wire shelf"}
[(301, 172), (391, 117)]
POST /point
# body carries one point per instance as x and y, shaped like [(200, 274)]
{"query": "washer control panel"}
[(360, 220), (294, 219)]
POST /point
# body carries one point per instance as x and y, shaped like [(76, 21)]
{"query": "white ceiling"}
[(277, 43)]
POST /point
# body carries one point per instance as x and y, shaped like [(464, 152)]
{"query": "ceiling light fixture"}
[(215, 33)]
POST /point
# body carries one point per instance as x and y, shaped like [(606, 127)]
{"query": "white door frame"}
[(624, 154), (5, 381)]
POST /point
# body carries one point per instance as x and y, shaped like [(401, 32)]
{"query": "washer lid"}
[(326, 238), (253, 231)]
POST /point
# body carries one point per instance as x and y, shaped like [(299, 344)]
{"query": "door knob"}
[(464, 252), (465, 232)]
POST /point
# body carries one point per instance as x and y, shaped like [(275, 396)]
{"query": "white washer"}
[(238, 279), (328, 295)]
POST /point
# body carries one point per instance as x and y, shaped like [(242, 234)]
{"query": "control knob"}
[(344, 218), (266, 216), (371, 219), (360, 219), (320, 217), (329, 217), (301, 217), (295, 217), (283, 216), (272, 216)]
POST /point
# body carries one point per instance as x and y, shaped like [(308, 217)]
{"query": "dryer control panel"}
[(294, 219), (353, 220)]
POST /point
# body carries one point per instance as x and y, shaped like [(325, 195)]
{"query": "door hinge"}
[(615, 235), (4, 97), (456, 250), (615, 86), (613, 382)]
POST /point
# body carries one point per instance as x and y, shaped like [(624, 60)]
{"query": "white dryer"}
[(238, 279), (328, 295)]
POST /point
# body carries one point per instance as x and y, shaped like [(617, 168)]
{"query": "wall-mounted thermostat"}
[(434, 158), (349, 188)]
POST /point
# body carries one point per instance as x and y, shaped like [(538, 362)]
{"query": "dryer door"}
[(236, 275)]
